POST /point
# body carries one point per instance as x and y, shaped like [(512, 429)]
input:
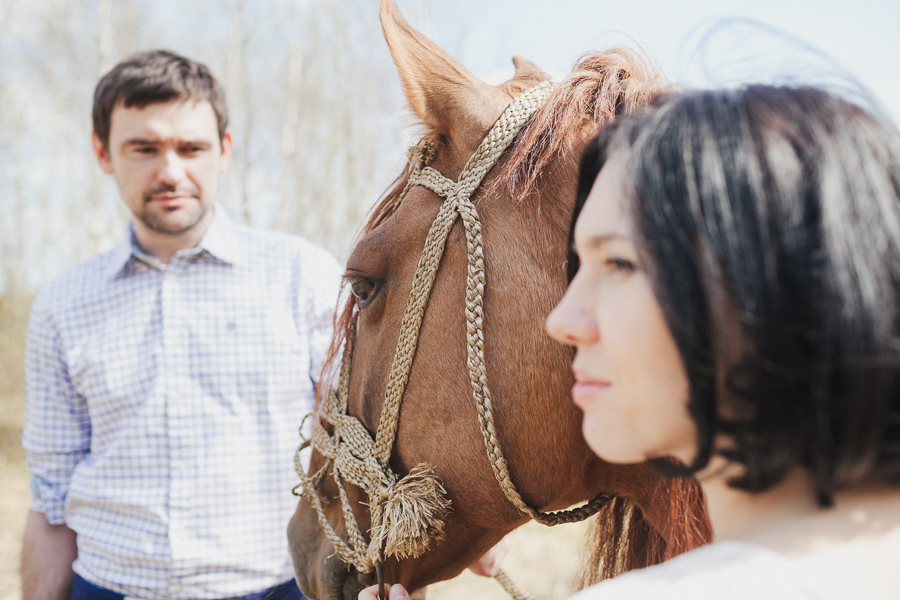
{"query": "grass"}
[(13, 324), (13, 472)]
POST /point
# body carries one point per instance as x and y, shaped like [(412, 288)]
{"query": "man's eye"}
[(362, 289)]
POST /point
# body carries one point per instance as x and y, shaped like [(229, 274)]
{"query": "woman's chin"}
[(610, 450)]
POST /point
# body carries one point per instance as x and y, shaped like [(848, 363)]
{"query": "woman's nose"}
[(570, 322)]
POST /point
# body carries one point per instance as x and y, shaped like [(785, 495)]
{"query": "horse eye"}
[(362, 289)]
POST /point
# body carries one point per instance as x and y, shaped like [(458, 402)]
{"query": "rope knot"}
[(423, 153), (408, 515)]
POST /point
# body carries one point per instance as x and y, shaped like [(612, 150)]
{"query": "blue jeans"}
[(85, 590)]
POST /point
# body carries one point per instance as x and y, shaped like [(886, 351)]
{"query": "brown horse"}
[(525, 204)]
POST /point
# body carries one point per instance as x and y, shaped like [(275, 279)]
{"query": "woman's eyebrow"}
[(596, 242)]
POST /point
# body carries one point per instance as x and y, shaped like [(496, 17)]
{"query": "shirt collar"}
[(220, 241), (120, 254)]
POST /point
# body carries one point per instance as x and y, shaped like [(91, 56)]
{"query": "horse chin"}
[(332, 580), (320, 573)]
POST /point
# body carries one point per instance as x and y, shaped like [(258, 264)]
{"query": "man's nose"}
[(172, 169)]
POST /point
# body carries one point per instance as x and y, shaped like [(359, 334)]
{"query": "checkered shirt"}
[(163, 405)]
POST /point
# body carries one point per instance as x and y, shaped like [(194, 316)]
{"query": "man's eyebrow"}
[(139, 141), (201, 143)]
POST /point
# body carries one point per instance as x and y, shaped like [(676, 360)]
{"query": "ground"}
[(13, 472), (543, 563), (13, 496)]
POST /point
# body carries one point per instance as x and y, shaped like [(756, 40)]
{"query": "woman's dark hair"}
[(151, 77), (768, 220)]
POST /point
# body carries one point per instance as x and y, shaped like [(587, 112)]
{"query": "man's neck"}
[(164, 246)]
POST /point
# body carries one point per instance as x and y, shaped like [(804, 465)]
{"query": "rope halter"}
[(408, 512)]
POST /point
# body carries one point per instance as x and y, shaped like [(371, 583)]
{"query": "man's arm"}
[(56, 437), (48, 552)]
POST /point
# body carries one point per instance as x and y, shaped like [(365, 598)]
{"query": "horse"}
[(524, 204)]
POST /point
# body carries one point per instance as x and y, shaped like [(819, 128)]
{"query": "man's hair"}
[(768, 221), (151, 77)]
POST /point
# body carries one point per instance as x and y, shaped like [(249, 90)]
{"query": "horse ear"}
[(445, 95), (527, 76)]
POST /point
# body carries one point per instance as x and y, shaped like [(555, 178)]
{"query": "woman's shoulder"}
[(734, 570)]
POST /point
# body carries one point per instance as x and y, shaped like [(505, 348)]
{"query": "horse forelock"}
[(602, 86)]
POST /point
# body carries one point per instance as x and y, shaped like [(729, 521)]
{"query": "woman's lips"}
[(584, 392)]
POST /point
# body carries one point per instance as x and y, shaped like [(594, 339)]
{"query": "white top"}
[(726, 570), (163, 402)]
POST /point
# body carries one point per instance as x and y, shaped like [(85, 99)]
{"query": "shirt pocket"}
[(253, 351)]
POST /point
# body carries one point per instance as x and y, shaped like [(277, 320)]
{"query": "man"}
[(167, 377)]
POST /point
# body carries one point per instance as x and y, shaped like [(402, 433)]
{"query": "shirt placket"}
[(175, 372)]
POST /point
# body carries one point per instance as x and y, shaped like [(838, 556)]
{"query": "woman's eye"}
[(362, 289), (619, 265)]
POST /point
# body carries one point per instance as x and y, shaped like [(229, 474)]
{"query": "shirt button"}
[(178, 465), (176, 399)]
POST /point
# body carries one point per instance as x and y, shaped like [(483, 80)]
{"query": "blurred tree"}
[(315, 107)]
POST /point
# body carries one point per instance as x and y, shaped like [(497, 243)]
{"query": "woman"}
[(734, 309)]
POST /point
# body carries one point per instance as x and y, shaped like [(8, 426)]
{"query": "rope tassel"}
[(410, 514)]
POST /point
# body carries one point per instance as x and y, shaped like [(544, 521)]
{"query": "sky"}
[(697, 42)]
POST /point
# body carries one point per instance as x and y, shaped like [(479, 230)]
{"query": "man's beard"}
[(158, 222)]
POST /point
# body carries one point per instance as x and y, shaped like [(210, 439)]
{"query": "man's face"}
[(166, 158)]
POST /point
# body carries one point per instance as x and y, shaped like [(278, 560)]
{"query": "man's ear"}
[(102, 153), (226, 151)]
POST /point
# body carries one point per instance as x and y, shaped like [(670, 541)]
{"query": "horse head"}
[(523, 206)]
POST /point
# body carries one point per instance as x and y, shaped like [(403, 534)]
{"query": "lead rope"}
[(511, 588), (406, 514)]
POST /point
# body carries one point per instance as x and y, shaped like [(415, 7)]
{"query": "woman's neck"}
[(787, 518)]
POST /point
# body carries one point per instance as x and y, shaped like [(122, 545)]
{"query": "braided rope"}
[(457, 202), (407, 513), (511, 588), (423, 281)]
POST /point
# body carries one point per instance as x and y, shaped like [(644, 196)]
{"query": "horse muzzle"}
[(320, 573)]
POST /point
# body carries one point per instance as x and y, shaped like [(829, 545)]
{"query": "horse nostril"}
[(366, 579)]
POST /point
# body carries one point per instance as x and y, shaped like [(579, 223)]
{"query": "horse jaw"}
[(319, 572)]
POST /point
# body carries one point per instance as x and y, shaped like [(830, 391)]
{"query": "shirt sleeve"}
[(57, 428), (322, 287)]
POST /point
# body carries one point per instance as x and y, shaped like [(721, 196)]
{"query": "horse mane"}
[(601, 87), (620, 539)]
